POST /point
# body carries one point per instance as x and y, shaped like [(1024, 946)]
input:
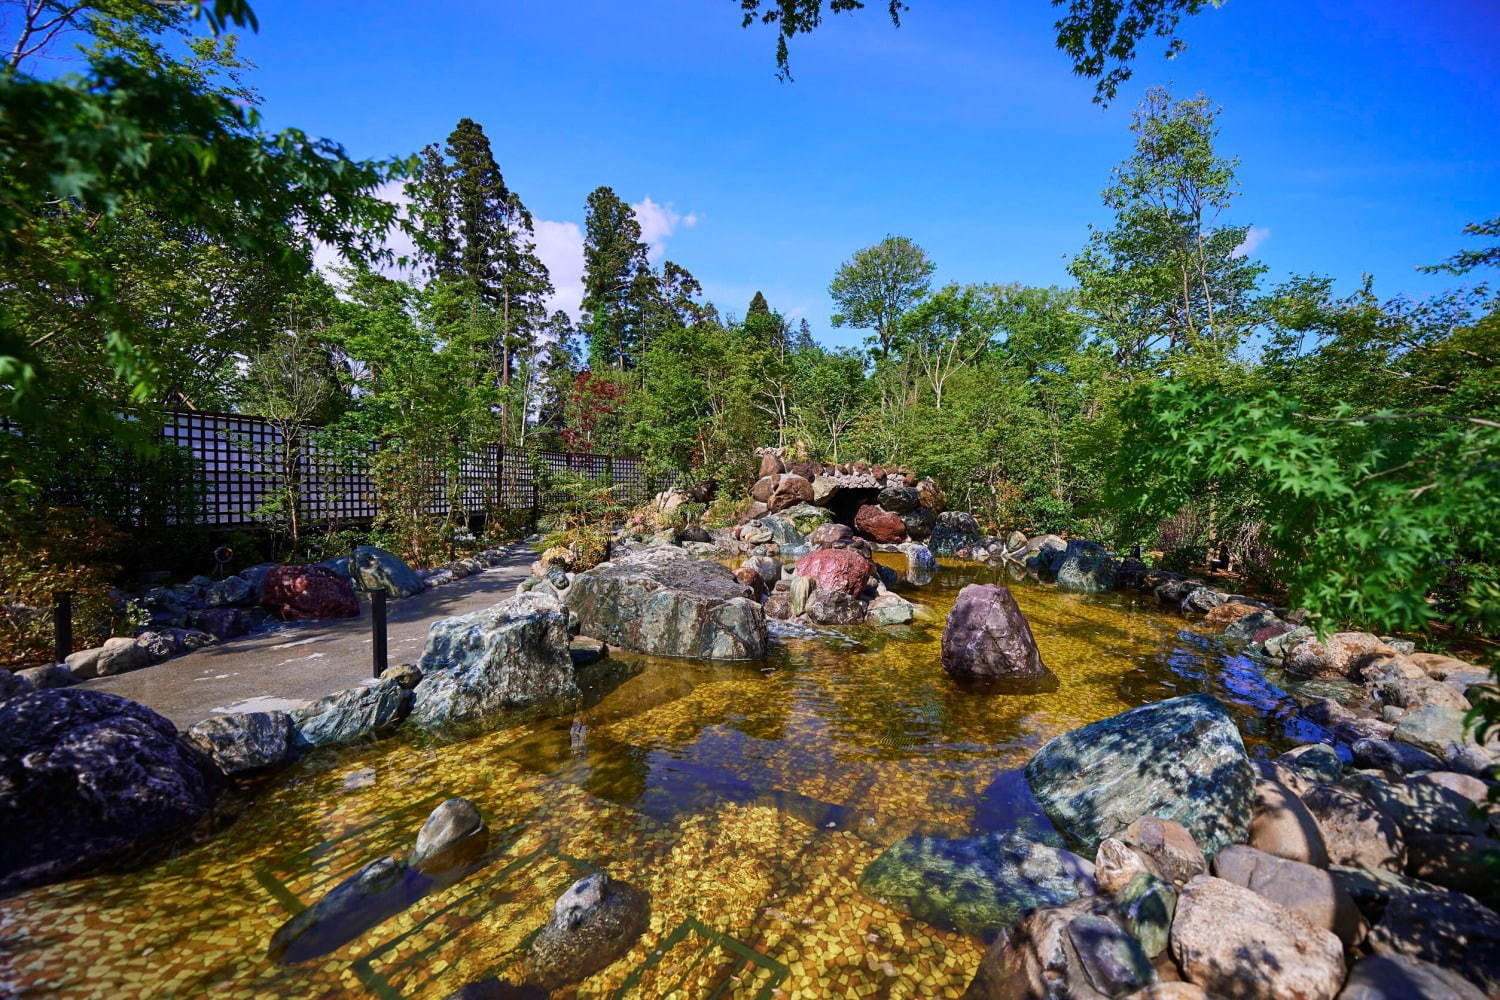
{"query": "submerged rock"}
[(666, 602), (509, 658), (90, 780), (976, 885), (375, 893), (987, 639), (594, 923), (1178, 759)]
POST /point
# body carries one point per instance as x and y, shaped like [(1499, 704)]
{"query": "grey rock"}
[(668, 603), (1400, 977), (376, 892), (232, 591), (834, 607), (1179, 759), (375, 567), (975, 885), (53, 675), (116, 656), (405, 674), (1418, 807), (987, 639), (890, 609), (768, 569), (1112, 959), (593, 924), (13, 684), (1202, 600), (356, 714), (1388, 755), (1437, 730), (89, 779), (921, 564), (1315, 762), (1261, 623), (509, 659), (1081, 566), (1278, 645), (246, 743), (453, 833)]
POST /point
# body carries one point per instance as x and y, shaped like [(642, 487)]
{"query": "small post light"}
[(62, 624), (377, 630)]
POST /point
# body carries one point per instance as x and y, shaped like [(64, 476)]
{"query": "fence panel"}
[(240, 461)]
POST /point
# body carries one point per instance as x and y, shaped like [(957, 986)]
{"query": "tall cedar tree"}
[(616, 280), (475, 230)]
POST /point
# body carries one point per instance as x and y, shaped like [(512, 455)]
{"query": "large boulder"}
[(91, 780), (921, 564), (509, 659), (1082, 566), (976, 885), (1179, 759), (1236, 943), (898, 499), (836, 569), (987, 639), (1355, 830), (666, 602), (232, 591), (919, 524), (1399, 977), (305, 593), (376, 568), (1446, 928), (879, 525), (1336, 656), (805, 517), (834, 607)]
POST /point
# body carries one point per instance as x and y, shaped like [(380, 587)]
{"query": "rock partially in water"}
[(976, 885), (593, 923), (245, 744), (1389, 755), (350, 716), (1436, 730), (987, 639), (1179, 759), (1076, 951), (836, 569), (372, 895), (511, 658), (834, 607), (1081, 566), (666, 602), (921, 564), (1236, 943), (1337, 656), (799, 592), (376, 568), (497, 989), (452, 835), (890, 609), (91, 780)]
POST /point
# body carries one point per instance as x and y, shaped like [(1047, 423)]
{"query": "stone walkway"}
[(300, 661)]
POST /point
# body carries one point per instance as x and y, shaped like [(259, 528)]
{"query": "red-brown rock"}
[(751, 579), (302, 593), (829, 534), (791, 489), (879, 525), (763, 488), (987, 639), (836, 569), (1228, 613), (771, 465)]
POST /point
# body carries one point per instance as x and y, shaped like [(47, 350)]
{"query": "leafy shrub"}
[(580, 514)]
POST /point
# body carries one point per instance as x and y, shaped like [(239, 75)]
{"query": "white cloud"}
[(1256, 236), (397, 240), (559, 245), (658, 222)]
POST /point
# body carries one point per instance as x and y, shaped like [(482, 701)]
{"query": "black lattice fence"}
[(241, 464)]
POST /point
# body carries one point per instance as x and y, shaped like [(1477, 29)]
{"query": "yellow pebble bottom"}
[(745, 799)]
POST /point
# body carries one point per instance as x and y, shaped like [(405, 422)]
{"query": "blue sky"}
[(1367, 132)]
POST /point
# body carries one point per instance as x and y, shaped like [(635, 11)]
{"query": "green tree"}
[(614, 260), (1168, 282), (873, 289)]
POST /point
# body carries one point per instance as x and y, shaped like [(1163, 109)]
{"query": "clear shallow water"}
[(746, 799)]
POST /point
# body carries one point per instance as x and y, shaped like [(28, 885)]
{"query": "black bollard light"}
[(62, 624), (1135, 551), (377, 629)]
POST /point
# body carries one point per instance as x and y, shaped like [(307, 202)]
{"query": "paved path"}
[(300, 661)]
